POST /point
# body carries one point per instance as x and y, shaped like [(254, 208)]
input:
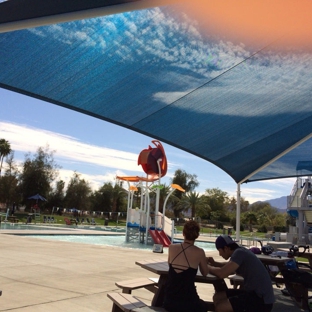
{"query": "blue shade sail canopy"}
[(244, 105), (37, 197), (304, 165)]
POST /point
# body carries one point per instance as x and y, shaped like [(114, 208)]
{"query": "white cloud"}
[(95, 180), (267, 189), (281, 182), (98, 165), (169, 97), (28, 139), (71, 153)]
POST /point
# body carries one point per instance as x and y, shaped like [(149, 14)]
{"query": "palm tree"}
[(193, 199), (188, 182), (5, 150), (118, 195), (250, 218)]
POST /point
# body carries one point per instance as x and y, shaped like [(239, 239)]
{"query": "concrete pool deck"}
[(38, 275)]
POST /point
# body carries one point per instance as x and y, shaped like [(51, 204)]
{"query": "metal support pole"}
[(157, 193), (238, 212)]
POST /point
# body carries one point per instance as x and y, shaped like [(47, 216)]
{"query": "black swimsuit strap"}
[(183, 250)]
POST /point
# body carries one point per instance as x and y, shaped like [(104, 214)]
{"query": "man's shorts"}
[(243, 301)]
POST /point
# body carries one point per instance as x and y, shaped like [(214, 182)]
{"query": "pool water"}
[(117, 240), (109, 240), (16, 226)]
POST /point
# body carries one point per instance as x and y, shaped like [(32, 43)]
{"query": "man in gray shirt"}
[(257, 291)]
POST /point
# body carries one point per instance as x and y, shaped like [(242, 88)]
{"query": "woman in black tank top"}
[(184, 260)]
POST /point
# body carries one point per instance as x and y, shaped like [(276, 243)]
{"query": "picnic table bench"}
[(144, 282), (127, 303), (13, 219), (236, 280)]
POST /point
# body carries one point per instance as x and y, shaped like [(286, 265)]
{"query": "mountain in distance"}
[(279, 203)]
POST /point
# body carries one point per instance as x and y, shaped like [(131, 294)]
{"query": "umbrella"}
[(37, 196)]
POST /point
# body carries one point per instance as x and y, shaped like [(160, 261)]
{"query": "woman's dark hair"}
[(191, 230)]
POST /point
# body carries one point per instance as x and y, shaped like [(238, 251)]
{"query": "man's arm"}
[(214, 263), (224, 271)]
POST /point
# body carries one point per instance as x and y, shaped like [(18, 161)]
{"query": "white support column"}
[(128, 213), (172, 232), (157, 194), (128, 202), (148, 212), (301, 239), (238, 197), (164, 207)]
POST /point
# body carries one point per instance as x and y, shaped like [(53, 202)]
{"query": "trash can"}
[(273, 238), (229, 231), (106, 221)]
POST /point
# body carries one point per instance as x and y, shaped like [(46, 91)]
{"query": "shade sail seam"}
[(212, 79)]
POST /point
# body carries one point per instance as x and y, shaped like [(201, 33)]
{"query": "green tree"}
[(218, 201), (163, 192), (203, 210), (267, 215), (102, 199), (279, 220), (38, 174), (56, 197), (9, 181), (259, 206), (110, 198), (118, 198), (249, 218), (137, 197), (188, 182), (5, 150), (77, 193), (244, 204)]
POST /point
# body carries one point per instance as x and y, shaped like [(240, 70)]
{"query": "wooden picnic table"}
[(161, 268), (299, 292), (277, 261), (273, 260), (307, 254)]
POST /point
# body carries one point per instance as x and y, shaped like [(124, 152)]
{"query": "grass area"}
[(22, 217), (213, 231)]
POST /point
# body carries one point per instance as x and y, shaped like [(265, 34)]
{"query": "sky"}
[(99, 150)]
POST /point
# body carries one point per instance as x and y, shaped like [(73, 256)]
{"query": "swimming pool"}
[(96, 236), (110, 240), (16, 226)]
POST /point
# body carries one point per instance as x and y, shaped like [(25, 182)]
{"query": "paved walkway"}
[(40, 275)]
